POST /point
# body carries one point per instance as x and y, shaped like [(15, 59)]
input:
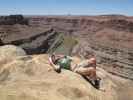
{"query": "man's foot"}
[(97, 83)]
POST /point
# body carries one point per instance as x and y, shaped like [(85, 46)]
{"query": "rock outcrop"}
[(9, 53), (30, 77)]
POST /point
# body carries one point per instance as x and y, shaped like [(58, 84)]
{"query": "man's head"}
[(92, 60)]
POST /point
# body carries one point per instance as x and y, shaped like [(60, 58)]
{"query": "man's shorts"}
[(84, 64)]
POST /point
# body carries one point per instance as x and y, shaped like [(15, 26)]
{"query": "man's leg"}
[(89, 72), (90, 75)]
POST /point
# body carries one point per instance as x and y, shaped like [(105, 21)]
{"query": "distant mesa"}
[(13, 19)]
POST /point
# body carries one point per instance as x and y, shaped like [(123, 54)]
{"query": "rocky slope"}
[(29, 77), (110, 38)]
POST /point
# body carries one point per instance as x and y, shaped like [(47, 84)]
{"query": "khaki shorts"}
[(84, 64)]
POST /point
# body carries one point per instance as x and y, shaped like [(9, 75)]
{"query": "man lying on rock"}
[(86, 68)]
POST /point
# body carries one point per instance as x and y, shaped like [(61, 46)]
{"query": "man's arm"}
[(55, 67)]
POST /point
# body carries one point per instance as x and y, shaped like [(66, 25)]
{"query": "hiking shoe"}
[(97, 83)]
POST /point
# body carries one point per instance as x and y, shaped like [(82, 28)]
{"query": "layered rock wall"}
[(110, 38)]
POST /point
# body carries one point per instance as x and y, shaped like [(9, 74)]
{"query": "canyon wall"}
[(109, 37)]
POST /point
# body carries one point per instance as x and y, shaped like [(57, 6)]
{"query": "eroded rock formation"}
[(109, 37), (30, 77)]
